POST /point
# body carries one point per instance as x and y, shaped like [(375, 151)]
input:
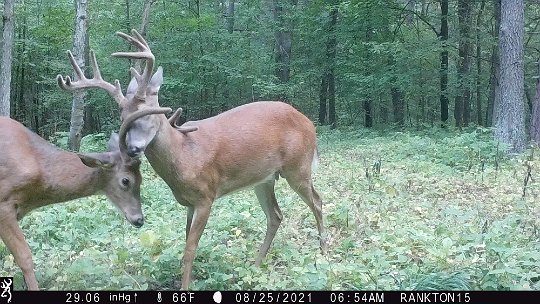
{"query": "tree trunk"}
[(462, 99), (535, 114), (397, 105), (383, 113), (323, 97), (368, 118), (80, 47), (332, 121), (444, 62), (18, 111), (331, 77), (7, 49), (328, 81), (22, 112), (479, 64), (145, 20), (283, 56), (283, 43), (128, 29), (422, 116), (509, 103), (494, 70), (91, 120), (229, 16)]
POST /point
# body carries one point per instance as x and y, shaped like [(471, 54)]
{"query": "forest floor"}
[(408, 210)]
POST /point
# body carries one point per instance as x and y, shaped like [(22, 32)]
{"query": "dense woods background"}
[(398, 63)]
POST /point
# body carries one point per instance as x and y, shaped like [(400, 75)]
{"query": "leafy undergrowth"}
[(404, 210)]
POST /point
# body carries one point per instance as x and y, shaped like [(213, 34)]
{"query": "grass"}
[(423, 210)]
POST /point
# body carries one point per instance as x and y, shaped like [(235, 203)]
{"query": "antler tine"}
[(144, 53), (75, 66), (173, 121), (139, 37), (139, 42), (174, 117), (95, 66), (186, 129), (115, 91)]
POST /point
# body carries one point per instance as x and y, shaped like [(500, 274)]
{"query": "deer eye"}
[(125, 181)]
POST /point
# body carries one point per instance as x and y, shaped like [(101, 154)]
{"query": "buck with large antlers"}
[(201, 161), (34, 173)]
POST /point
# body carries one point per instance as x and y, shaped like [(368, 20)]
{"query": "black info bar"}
[(231, 297)]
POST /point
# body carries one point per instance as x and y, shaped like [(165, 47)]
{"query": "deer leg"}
[(189, 220), (303, 185), (316, 208), (199, 218), (267, 198), (13, 237)]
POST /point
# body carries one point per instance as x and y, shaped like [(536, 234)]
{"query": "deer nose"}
[(134, 151), (138, 222)]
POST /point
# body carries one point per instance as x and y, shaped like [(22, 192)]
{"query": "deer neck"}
[(65, 177), (62, 177), (176, 157), (161, 151)]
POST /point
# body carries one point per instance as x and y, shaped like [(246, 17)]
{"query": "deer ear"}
[(114, 143), (132, 87), (94, 160), (155, 82)]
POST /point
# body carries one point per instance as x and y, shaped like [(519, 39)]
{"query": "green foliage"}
[(437, 281), (404, 210), (60, 139), (90, 143), (380, 46)]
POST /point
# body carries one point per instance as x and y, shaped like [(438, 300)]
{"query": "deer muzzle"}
[(137, 220)]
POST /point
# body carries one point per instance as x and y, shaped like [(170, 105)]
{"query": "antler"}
[(173, 121), (144, 53), (96, 82), (126, 124)]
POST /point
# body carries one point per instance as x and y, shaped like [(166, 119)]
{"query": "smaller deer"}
[(34, 173)]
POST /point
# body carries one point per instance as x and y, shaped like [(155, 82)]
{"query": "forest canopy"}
[(372, 63)]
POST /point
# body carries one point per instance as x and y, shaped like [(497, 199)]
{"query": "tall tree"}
[(398, 106), (7, 47), (535, 115), (283, 41), (19, 108), (229, 15), (368, 101), (463, 96), (80, 51), (509, 95), (327, 95), (145, 21), (443, 35), (494, 70), (479, 63)]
